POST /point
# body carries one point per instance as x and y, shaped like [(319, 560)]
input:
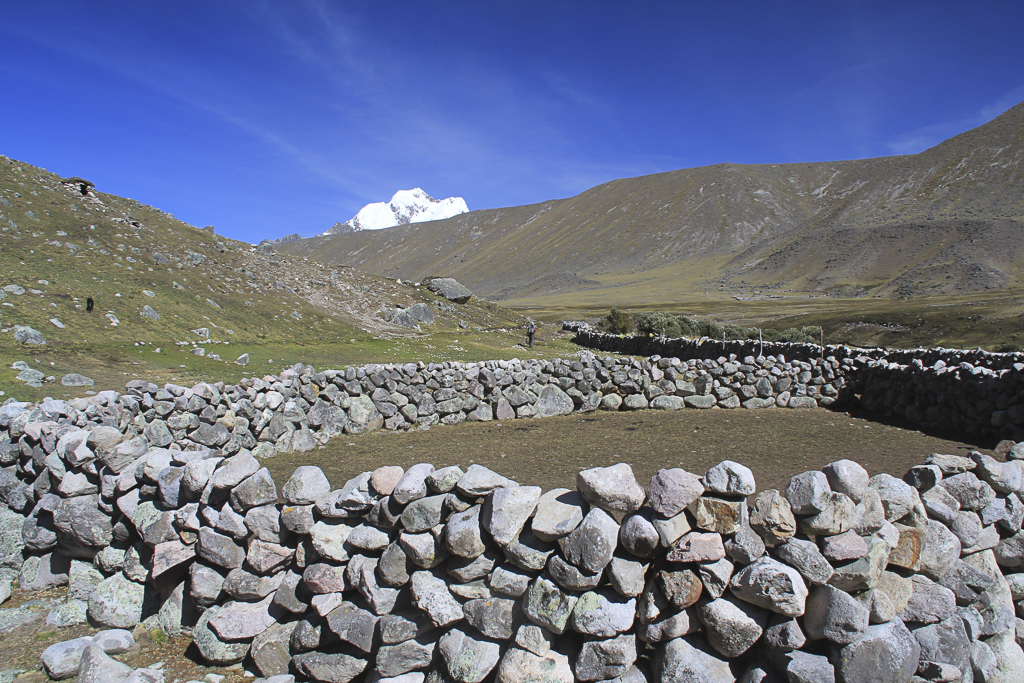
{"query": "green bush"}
[(618, 322), (688, 327), (659, 323)]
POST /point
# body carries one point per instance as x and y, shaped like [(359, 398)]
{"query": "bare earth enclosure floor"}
[(775, 444)]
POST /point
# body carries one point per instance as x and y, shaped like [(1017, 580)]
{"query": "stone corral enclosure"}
[(152, 506), (967, 391)]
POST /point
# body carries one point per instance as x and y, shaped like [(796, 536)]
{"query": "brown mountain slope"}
[(949, 219)]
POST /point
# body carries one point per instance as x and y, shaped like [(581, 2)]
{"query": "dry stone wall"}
[(969, 391), (153, 507)]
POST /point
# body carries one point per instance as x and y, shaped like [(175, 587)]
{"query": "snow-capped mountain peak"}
[(406, 206)]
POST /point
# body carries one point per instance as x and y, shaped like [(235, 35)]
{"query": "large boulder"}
[(450, 289)]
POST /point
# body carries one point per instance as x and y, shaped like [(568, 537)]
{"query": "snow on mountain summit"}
[(407, 206)]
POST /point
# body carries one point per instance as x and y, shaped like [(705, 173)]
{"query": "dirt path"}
[(775, 444)]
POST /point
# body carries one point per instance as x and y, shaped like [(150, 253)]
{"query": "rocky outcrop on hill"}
[(450, 289)]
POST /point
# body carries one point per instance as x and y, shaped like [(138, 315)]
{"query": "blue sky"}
[(267, 118)]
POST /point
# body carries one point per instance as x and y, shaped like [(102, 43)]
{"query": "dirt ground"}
[(775, 444)]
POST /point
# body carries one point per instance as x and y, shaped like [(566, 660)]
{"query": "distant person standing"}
[(531, 330), (88, 304)]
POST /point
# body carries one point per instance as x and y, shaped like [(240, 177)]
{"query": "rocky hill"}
[(948, 220), (110, 283)]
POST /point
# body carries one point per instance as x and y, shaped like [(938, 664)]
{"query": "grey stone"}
[(898, 497), (232, 471), (509, 581), (329, 668), (61, 660), (206, 585), (412, 486), (672, 529), (553, 401), (493, 617), (626, 576), (306, 484), (863, 573), (602, 614), (270, 651), (450, 289), (601, 660), (431, 595), (547, 605), (969, 491), (443, 480), (423, 514), (716, 576), (463, 537), (425, 550), (732, 626), (219, 550), (258, 489), (771, 585), (929, 602), (839, 514), (117, 602), (697, 547), (479, 481), (772, 518), (843, 547), (70, 613), (354, 625), (639, 536), (468, 660), (243, 620), (672, 490), (506, 510), (946, 643), (613, 488), (679, 661), (97, 667), (405, 656), (848, 477), (730, 478), (939, 552), (523, 666), (114, 641), (835, 615), (887, 652), (784, 634), (591, 545), (808, 493), (804, 667)]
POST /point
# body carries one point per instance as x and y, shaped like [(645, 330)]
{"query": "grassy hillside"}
[(948, 221), (64, 242)]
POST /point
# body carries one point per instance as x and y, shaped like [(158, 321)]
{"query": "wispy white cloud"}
[(920, 139)]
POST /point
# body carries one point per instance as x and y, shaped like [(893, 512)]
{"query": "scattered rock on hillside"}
[(73, 379), (411, 317), (28, 335), (242, 360), (148, 312), (31, 377), (450, 289)]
